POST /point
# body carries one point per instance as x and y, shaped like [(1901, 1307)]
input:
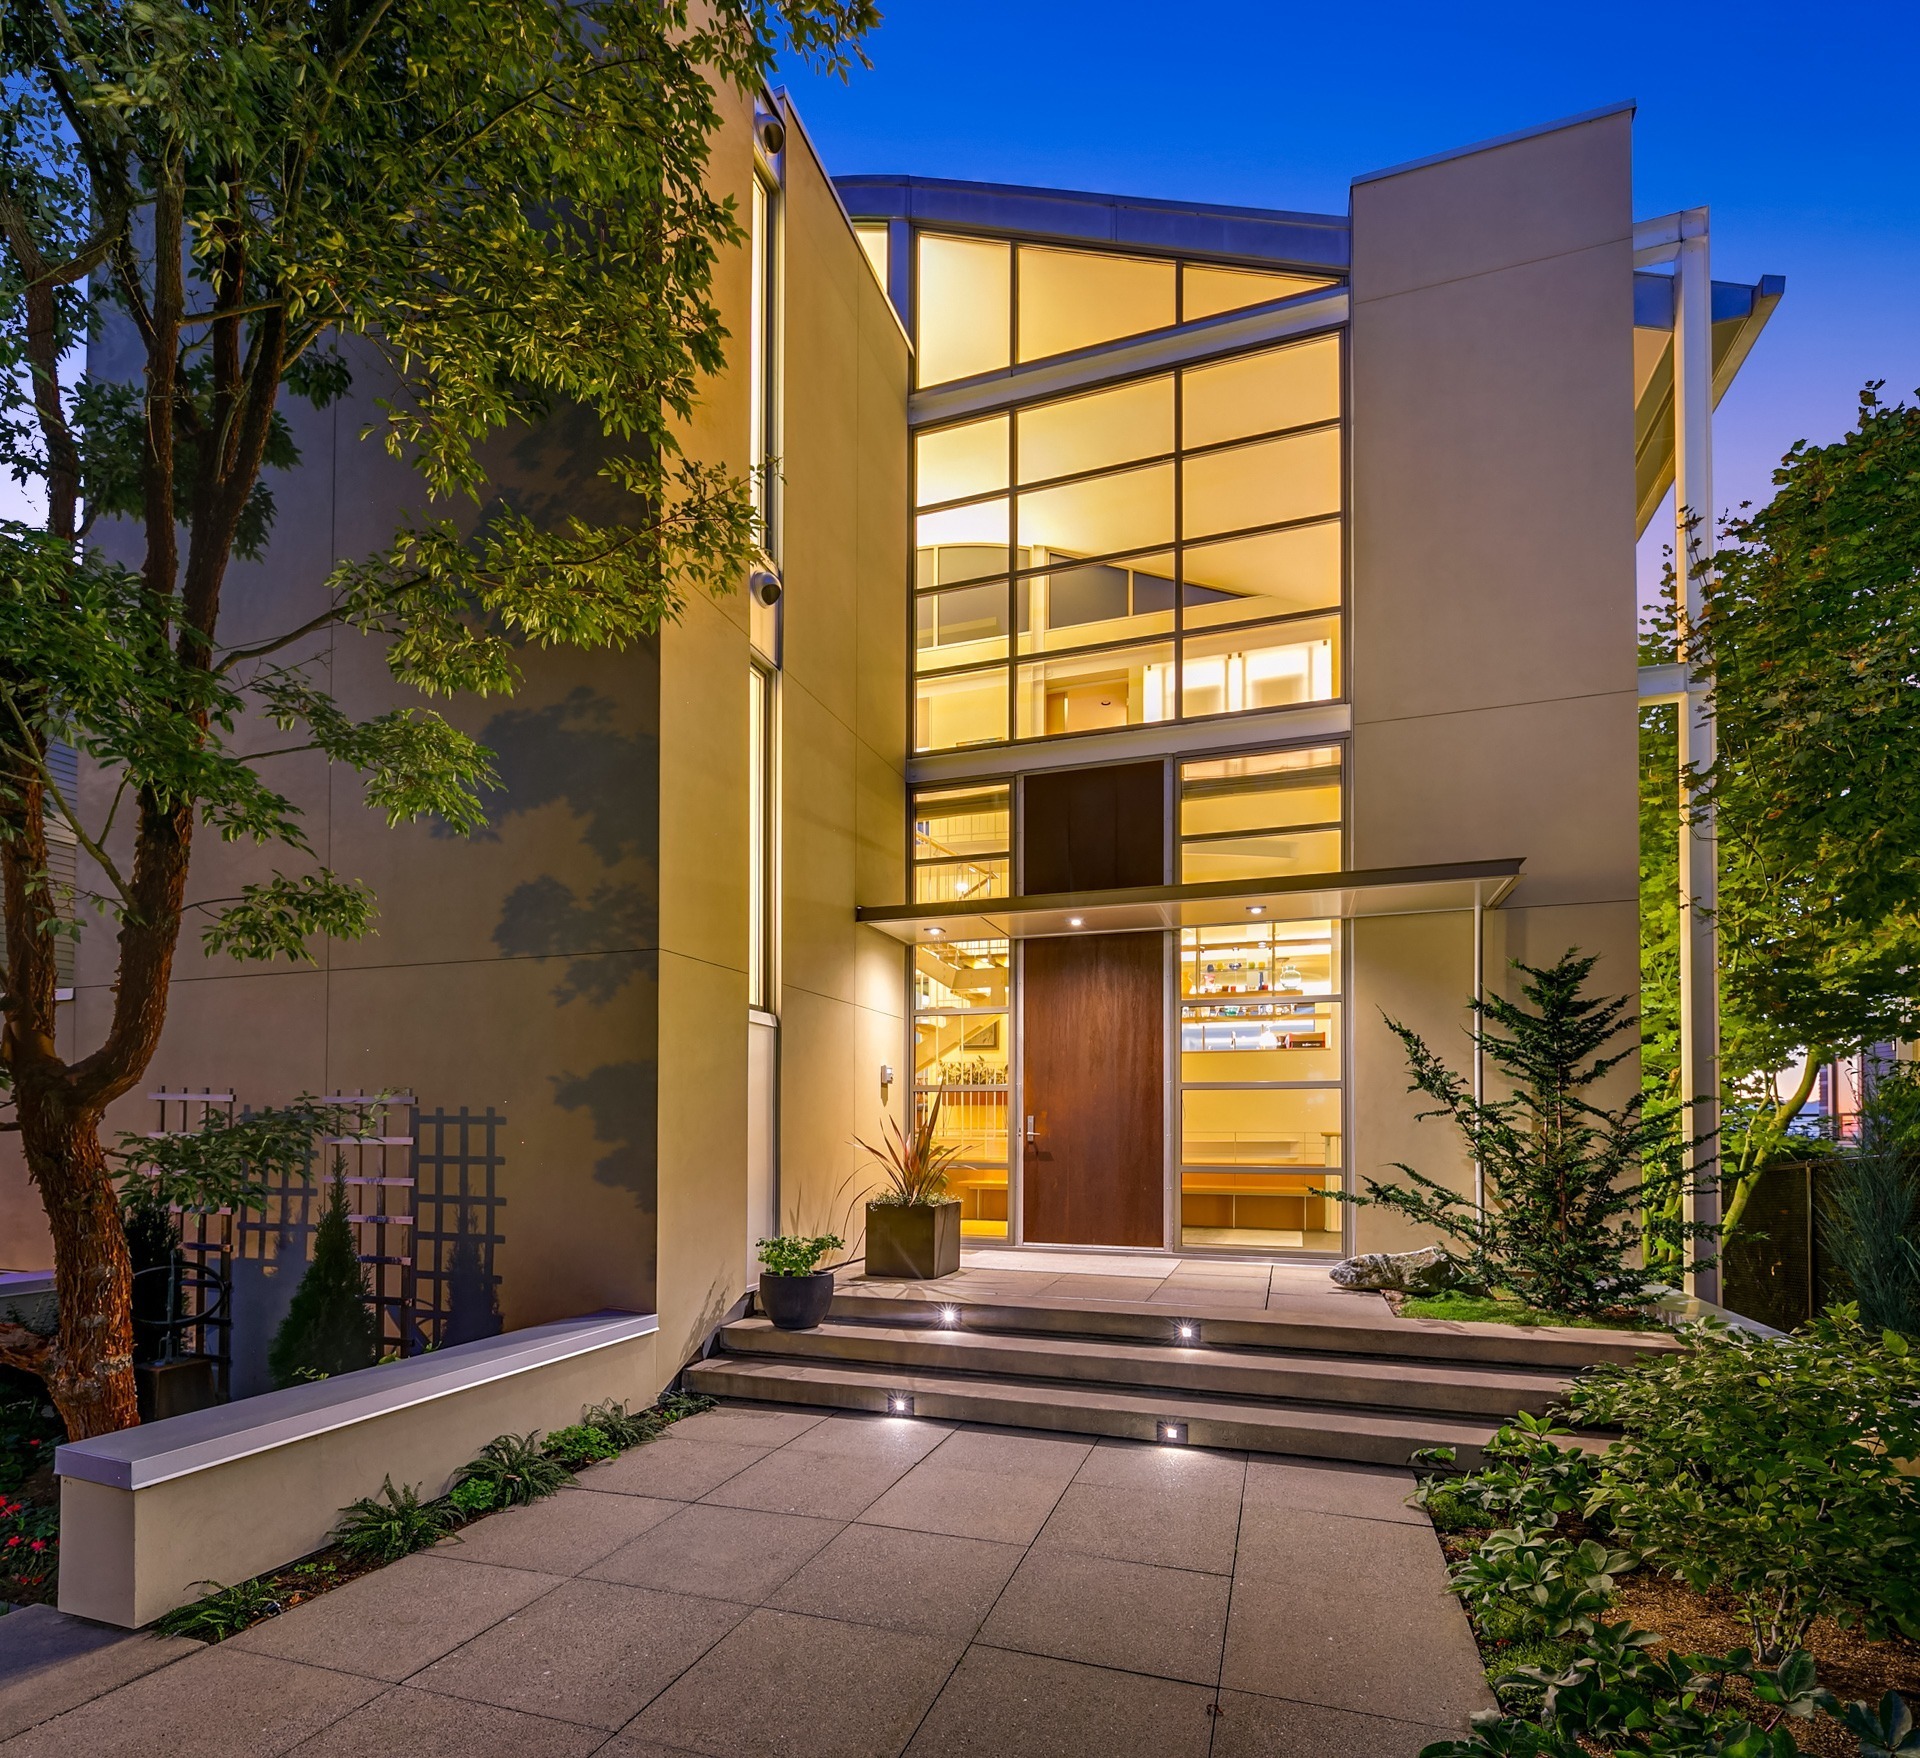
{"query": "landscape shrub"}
[(224, 1612), (391, 1525), (329, 1328), (516, 1469), (1765, 1468), (580, 1444), (1569, 1182), (1870, 1231), (471, 1499), (625, 1428)]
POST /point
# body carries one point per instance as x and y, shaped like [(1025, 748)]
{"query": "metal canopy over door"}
[(1093, 1016)]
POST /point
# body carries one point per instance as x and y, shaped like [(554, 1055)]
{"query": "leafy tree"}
[(1568, 1180), (1811, 637), (490, 211), (329, 1327)]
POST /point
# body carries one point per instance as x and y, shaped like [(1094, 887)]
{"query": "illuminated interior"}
[(961, 1062), (1175, 580), (1261, 1131)]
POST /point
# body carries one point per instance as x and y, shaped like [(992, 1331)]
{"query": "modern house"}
[(1188, 636)]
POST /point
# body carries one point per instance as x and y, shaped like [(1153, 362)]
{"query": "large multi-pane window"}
[(984, 304), (1261, 1138), (1166, 548)]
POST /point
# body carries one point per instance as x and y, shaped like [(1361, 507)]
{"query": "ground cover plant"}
[(1752, 1499), (375, 1530), (1570, 1181), (1492, 1309), (29, 1493)]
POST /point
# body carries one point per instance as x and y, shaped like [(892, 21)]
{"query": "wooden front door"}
[(1092, 1031)]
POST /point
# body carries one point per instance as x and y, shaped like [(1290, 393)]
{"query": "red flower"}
[(38, 1544)]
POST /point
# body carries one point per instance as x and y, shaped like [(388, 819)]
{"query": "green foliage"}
[(1764, 1468), (794, 1255), (1870, 1230), (393, 1524), (1553, 1586), (29, 1431), (227, 1162), (224, 1612), (1528, 1478), (676, 1405), (1616, 1696), (623, 1427), (1886, 1730), (1492, 1309), (1812, 616), (329, 1327), (1566, 1178), (471, 1499), (914, 1165), (580, 1444), (516, 1469)]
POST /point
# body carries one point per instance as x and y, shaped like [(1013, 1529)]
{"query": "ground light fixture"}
[(899, 1403), (949, 1316), (1189, 1331), (1170, 1433)]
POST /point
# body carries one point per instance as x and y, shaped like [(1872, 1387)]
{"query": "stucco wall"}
[(1492, 635)]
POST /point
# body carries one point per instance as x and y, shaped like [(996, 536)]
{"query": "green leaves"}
[(276, 917), (1765, 1468), (228, 1162), (796, 1255)]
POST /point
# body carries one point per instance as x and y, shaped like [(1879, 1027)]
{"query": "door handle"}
[(1033, 1135)]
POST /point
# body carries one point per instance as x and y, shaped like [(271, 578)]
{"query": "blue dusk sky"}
[(1797, 130)]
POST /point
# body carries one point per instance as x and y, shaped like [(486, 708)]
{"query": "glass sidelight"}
[(1261, 1133), (961, 1044)]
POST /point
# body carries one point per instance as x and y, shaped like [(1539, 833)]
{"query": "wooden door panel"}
[(1093, 1037)]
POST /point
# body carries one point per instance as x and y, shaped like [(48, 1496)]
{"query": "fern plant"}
[(224, 1612), (518, 1470), (391, 1525), (580, 1444), (623, 1427)]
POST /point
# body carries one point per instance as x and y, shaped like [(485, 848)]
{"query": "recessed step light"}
[(1170, 1433), (900, 1404)]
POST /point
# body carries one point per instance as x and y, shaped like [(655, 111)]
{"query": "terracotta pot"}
[(913, 1244)]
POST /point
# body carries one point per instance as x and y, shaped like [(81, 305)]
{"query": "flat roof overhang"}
[(1379, 891)]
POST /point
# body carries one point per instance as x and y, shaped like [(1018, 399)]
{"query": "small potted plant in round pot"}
[(794, 1291), (913, 1226)]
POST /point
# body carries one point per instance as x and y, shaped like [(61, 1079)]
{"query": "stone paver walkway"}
[(764, 1583)]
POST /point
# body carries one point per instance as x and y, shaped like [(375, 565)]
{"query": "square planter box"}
[(914, 1245)]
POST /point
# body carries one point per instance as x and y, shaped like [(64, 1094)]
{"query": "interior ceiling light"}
[(1256, 909), (935, 933), (1076, 921)]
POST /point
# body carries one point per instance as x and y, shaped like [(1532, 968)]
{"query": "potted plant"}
[(794, 1291), (913, 1226)]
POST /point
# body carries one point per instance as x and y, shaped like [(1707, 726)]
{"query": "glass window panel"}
[(1217, 965), (1257, 393), (1260, 1126), (1093, 432), (952, 463), (873, 240), (1262, 484), (1101, 515), (960, 976), (1077, 298), (964, 708), (1271, 667), (1272, 1211), (1267, 855), (1095, 690), (1207, 291), (1096, 603), (952, 822), (1278, 573), (1264, 1040), (960, 881), (965, 302), (962, 626), (960, 544), (1269, 790)]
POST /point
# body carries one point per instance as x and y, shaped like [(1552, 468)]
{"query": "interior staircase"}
[(1313, 1385)]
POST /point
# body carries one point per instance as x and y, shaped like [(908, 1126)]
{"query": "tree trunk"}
[(89, 1371)]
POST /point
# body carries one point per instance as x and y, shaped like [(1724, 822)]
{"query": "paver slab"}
[(51, 1661), (741, 1554), (929, 1583), (406, 1723)]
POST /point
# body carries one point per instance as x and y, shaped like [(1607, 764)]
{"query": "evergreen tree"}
[(329, 1328), (1566, 1179)]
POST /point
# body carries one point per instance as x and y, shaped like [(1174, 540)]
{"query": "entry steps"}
[(1316, 1386)]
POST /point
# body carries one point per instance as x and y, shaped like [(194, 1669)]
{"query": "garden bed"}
[(1493, 1309), (29, 1494)]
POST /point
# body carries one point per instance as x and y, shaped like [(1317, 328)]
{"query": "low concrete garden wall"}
[(148, 1516)]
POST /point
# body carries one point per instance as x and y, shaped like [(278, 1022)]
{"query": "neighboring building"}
[(1220, 637)]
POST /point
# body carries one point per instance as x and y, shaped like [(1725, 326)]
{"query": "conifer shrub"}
[(330, 1328), (1569, 1180)]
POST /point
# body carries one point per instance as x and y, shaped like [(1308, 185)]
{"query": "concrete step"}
[(1377, 1437), (1566, 1349), (1450, 1387)]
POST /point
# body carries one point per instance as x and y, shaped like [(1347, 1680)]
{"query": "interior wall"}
[(1492, 644)]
